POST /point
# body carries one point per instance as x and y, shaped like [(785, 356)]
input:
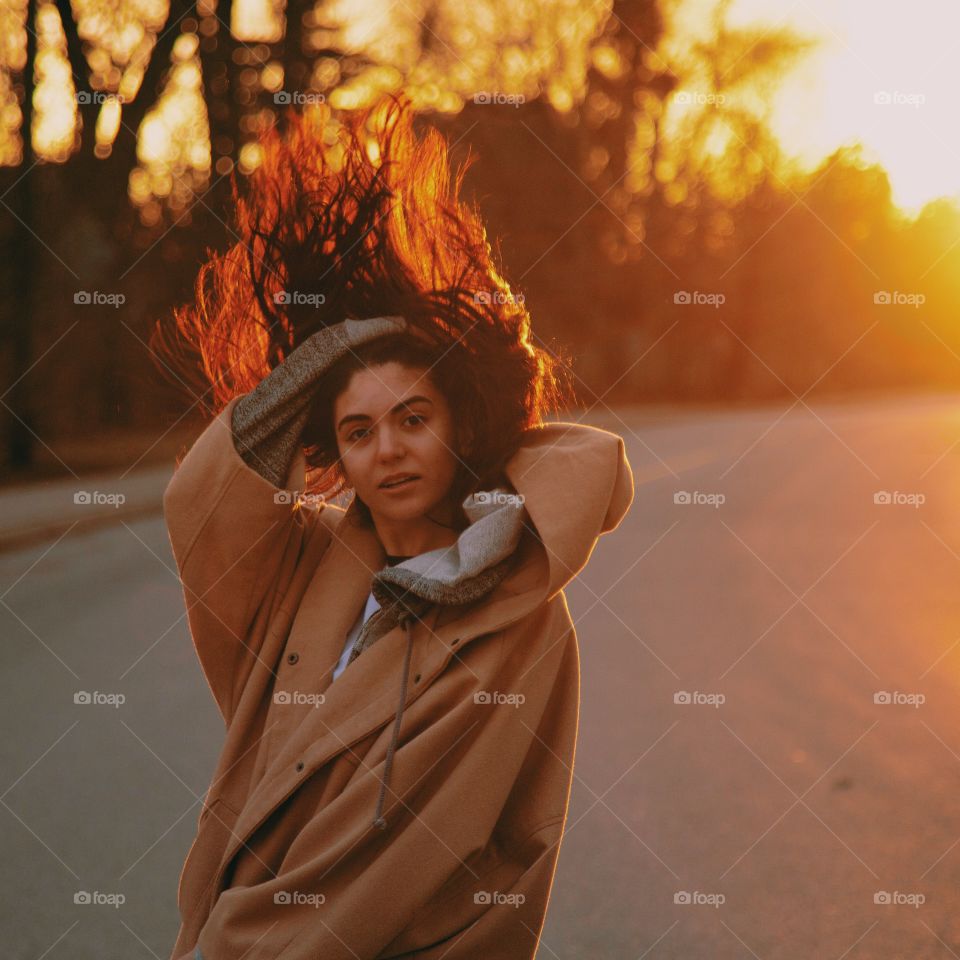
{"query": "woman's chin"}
[(412, 508)]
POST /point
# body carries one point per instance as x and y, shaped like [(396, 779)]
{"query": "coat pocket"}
[(206, 852)]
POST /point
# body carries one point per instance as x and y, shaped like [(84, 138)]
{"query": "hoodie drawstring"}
[(404, 617)]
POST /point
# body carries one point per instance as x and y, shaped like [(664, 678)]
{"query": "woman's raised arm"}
[(237, 534)]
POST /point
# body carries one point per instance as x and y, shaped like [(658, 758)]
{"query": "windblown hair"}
[(357, 217)]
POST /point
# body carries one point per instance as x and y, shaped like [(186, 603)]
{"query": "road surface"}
[(769, 722)]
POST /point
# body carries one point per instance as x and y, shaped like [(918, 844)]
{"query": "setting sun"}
[(879, 77)]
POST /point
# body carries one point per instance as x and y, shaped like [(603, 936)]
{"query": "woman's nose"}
[(390, 445)]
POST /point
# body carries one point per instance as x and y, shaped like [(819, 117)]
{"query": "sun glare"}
[(883, 76)]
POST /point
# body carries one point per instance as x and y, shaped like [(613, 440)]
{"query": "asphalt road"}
[(781, 799)]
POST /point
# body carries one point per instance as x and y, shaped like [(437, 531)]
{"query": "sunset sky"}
[(869, 49), (829, 98)]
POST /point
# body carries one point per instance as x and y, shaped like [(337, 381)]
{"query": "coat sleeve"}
[(445, 879), (235, 539)]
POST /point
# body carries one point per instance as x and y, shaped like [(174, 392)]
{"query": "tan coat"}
[(287, 864)]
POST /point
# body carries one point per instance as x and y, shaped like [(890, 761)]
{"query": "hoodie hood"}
[(462, 572)]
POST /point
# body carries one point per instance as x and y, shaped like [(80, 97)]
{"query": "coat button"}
[(293, 657), (416, 679), (299, 765)]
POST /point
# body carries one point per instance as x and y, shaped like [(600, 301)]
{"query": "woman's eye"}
[(353, 437)]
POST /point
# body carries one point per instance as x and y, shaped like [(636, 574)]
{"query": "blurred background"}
[(706, 201)]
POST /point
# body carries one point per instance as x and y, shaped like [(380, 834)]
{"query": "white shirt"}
[(371, 607)]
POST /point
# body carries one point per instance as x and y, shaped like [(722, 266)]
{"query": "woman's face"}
[(392, 420)]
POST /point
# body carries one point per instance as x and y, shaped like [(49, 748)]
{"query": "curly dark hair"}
[(360, 217)]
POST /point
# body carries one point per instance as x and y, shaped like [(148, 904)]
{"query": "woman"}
[(399, 679)]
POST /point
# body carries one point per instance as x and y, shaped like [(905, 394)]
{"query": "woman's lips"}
[(402, 485)]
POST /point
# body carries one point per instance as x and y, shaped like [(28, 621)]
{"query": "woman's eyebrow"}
[(409, 401)]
